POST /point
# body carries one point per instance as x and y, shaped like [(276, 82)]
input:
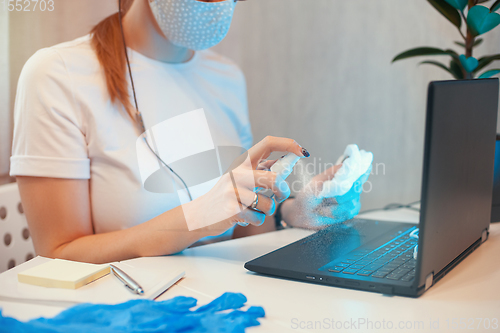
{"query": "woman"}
[(77, 122)]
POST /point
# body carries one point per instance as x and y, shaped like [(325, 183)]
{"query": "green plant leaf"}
[(447, 11), (453, 54), (470, 63), (458, 4), (435, 63), (438, 64), (485, 61), (480, 20), (489, 73), (423, 51), (456, 69), (477, 42), (495, 6)]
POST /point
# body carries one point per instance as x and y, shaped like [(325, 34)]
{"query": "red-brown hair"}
[(108, 44)]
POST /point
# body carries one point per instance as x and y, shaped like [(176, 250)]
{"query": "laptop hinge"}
[(484, 235), (428, 280)]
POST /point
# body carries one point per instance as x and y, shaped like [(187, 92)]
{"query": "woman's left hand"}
[(310, 211)]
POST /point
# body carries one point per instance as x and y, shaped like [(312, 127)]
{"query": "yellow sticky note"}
[(59, 273)]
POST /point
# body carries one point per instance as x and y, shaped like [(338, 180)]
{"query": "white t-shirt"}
[(67, 127)]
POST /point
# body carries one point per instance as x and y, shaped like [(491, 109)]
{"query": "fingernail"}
[(305, 152)]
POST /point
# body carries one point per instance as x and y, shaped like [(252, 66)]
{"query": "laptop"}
[(457, 183)]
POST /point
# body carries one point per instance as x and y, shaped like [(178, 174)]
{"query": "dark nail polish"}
[(305, 152)]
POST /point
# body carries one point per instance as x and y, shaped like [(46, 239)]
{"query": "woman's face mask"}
[(193, 24)]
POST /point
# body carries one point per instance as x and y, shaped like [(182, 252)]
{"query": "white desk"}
[(471, 290)]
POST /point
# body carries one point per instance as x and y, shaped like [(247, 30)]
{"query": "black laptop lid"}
[(495, 208), (458, 170)]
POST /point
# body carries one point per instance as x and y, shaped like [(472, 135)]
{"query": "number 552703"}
[(27, 5)]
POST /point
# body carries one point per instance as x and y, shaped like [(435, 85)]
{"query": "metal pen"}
[(130, 283)]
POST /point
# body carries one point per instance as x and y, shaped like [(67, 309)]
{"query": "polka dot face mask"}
[(193, 24)]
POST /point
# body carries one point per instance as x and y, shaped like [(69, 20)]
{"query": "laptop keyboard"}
[(392, 260)]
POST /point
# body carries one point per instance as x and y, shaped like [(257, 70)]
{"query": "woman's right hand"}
[(229, 201)]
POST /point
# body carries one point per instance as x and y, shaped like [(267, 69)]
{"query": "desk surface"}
[(468, 294)]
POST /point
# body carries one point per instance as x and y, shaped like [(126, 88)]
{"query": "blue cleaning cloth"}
[(173, 315)]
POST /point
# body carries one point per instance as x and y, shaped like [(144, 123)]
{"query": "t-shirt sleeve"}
[(49, 138)]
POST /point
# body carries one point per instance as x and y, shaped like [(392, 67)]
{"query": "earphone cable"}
[(138, 113)]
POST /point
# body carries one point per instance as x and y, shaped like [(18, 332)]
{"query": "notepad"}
[(66, 274), (155, 275)]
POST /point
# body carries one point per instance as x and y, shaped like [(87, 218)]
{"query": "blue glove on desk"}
[(173, 315)]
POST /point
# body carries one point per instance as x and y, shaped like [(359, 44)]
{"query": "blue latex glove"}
[(173, 315), (349, 204), (319, 213)]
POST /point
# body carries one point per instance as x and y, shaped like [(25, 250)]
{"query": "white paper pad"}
[(106, 290)]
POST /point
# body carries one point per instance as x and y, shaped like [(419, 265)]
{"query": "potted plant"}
[(478, 20)]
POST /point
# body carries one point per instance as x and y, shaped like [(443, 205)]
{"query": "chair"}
[(16, 246)]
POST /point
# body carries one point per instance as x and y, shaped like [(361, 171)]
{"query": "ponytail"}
[(108, 44)]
